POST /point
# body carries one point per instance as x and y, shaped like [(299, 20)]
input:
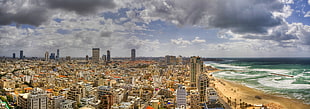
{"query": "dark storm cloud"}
[(5, 18), (36, 11), (239, 16), (81, 6), (245, 17), (33, 16), (286, 34)]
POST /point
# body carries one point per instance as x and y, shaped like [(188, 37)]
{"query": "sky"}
[(155, 28)]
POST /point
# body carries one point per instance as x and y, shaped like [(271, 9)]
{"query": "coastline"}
[(233, 92)]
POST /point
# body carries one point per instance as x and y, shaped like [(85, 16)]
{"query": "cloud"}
[(180, 42), (36, 12), (288, 1), (286, 35), (83, 7), (106, 33), (257, 27), (134, 42), (307, 14), (32, 15), (240, 16), (198, 40)]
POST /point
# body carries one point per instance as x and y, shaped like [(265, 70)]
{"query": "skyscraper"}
[(87, 58), (14, 55), (57, 56), (52, 56), (104, 57), (46, 56), (196, 67), (108, 56), (202, 87), (133, 54), (170, 60), (21, 54), (96, 55), (179, 60)]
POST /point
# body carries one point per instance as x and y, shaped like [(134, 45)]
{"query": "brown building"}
[(105, 96)]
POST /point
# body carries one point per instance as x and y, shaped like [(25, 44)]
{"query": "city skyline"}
[(206, 28)]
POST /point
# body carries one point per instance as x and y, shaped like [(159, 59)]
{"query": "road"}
[(226, 106), (147, 103)]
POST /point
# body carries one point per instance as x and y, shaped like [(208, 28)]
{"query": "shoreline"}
[(237, 94)]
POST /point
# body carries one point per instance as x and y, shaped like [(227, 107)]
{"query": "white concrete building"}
[(181, 98)]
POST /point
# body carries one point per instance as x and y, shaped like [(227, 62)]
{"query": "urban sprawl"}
[(103, 82)]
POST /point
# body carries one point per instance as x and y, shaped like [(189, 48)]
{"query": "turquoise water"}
[(289, 77)]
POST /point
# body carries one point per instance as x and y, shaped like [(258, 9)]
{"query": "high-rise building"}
[(87, 58), (133, 54), (170, 60), (179, 60), (108, 56), (68, 58), (104, 58), (96, 55), (194, 99), (46, 56), (196, 68), (14, 55), (37, 99), (52, 56), (57, 56), (181, 97), (21, 54), (202, 87)]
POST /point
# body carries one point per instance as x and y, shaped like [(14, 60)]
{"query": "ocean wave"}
[(228, 66), (231, 74), (282, 84), (278, 71)]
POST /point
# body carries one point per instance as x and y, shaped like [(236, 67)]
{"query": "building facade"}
[(21, 54), (196, 68), (105, 96), (194, 99), (76, 93), (46, 56), (108, 56), (96, 55), (170, 60), (57, 55), (53, 56), (202, 86), (181, 98), (133, 54), (37, 99)]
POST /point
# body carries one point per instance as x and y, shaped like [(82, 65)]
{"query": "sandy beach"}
[(232, 92)]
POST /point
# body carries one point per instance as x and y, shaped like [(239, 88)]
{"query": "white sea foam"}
[(234, 74), (278, 71), (232, 67), (286, 84)]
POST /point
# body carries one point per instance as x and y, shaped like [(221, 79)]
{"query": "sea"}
[(287, 77)]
